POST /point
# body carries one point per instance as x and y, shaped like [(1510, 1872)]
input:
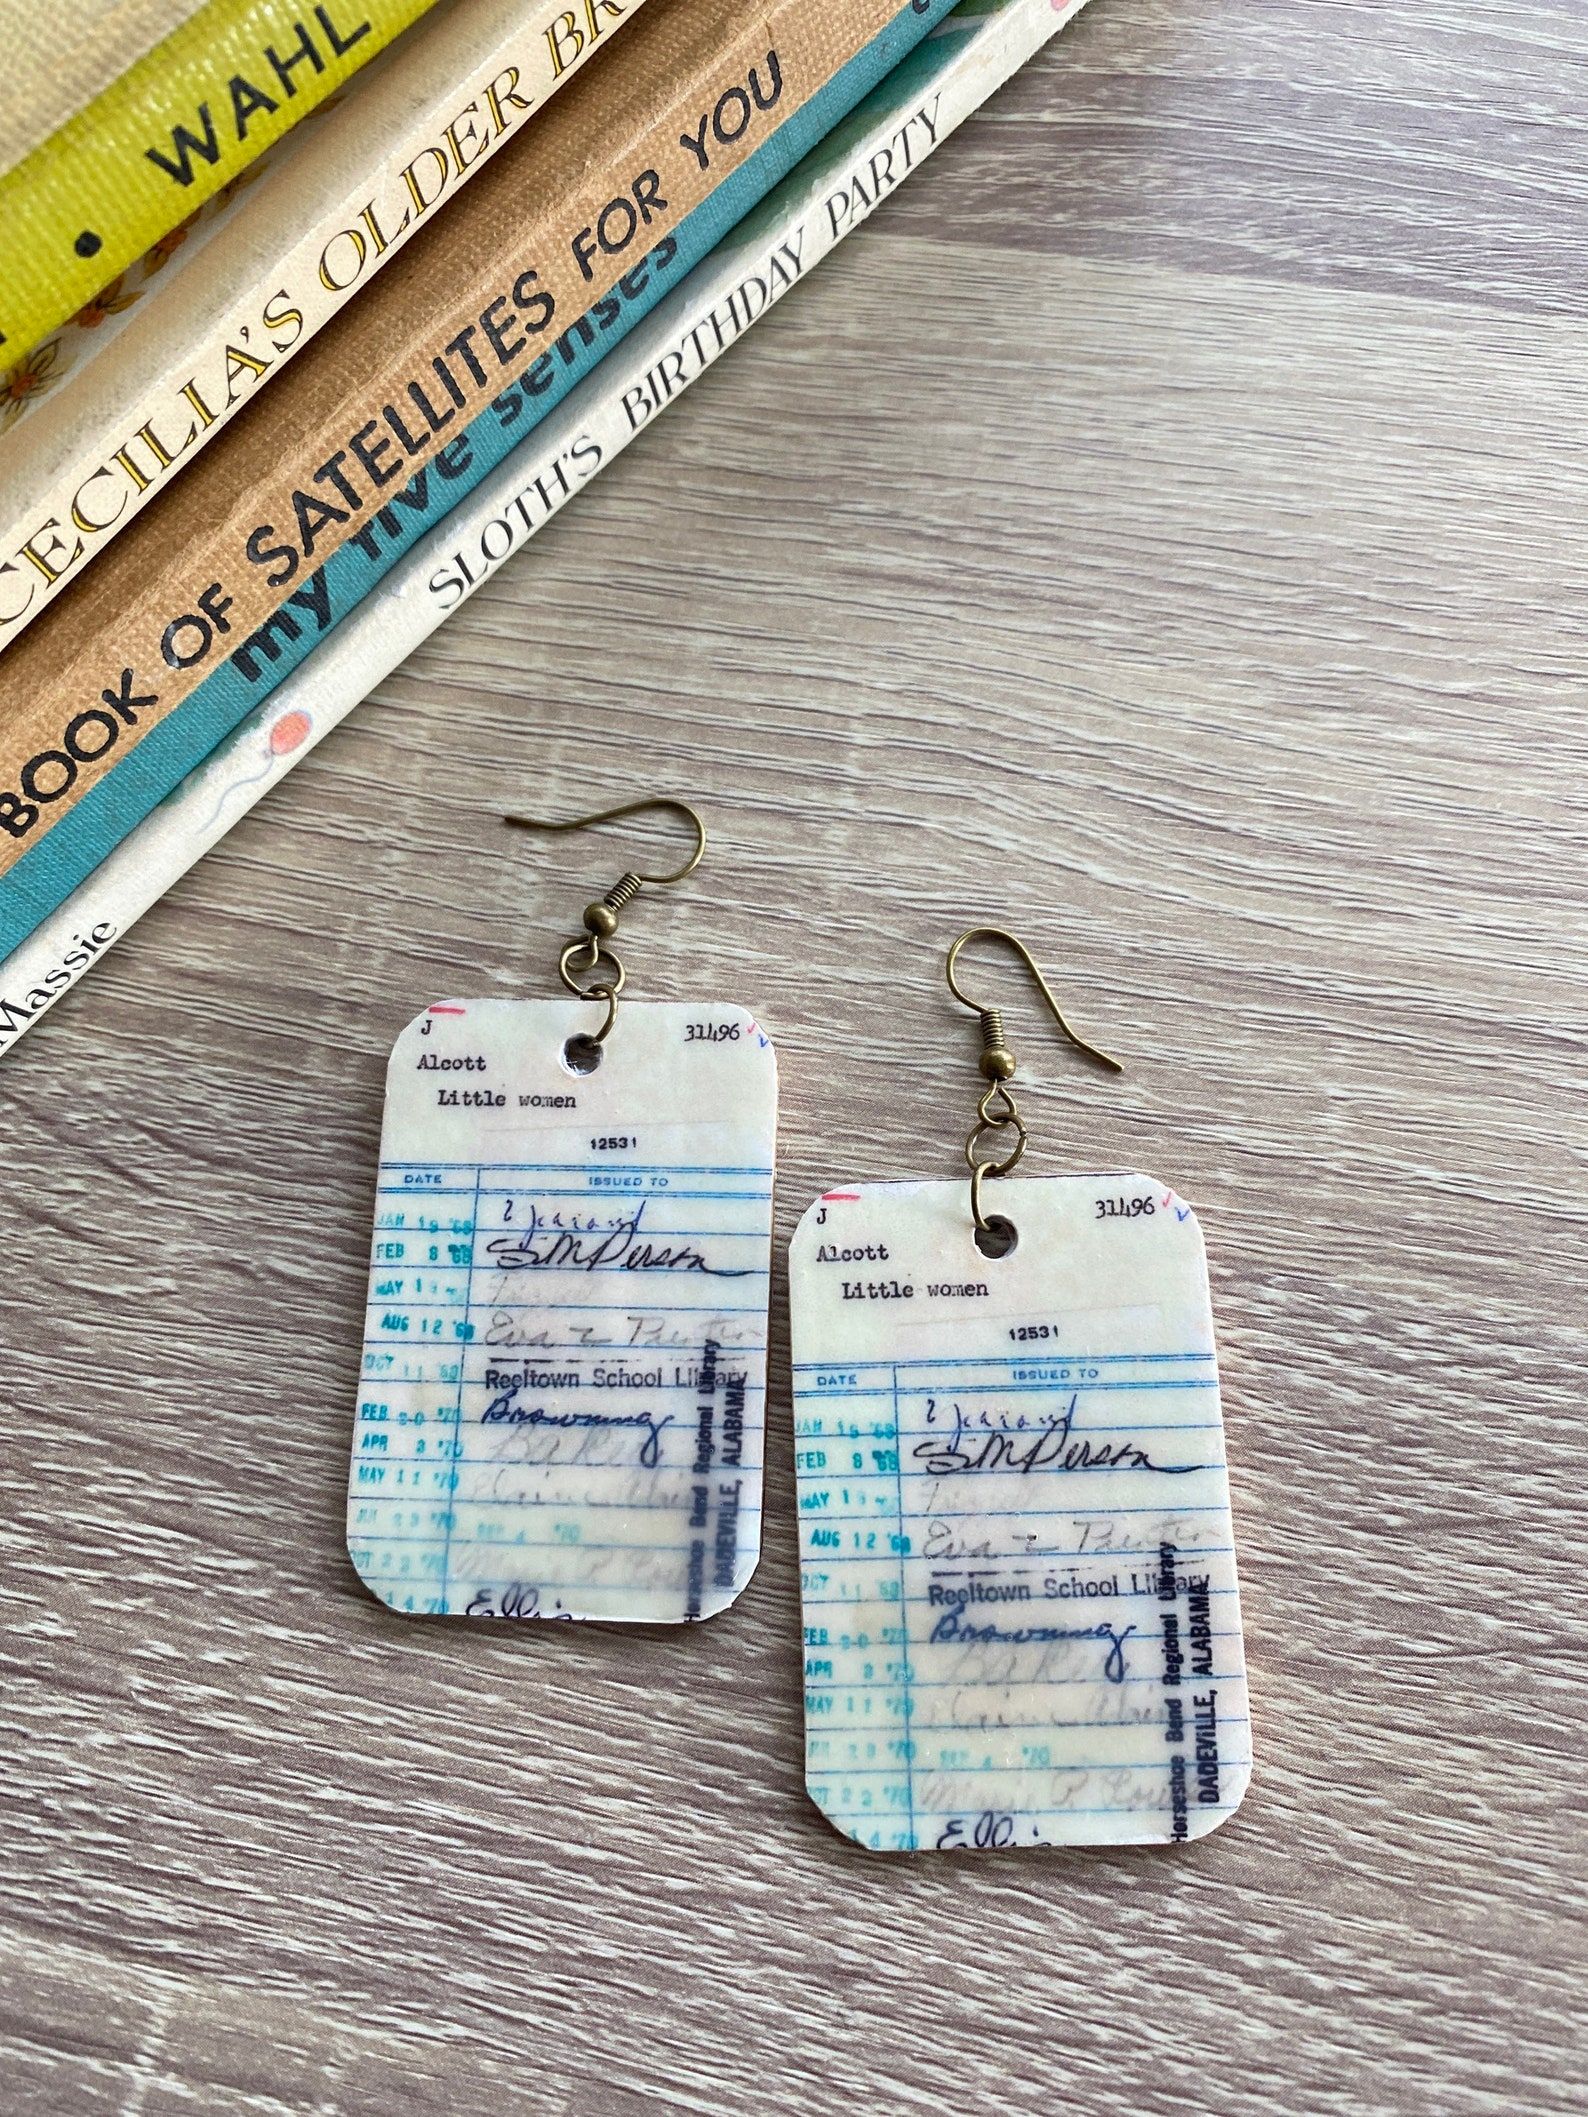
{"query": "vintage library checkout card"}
[(1018, 1575), (562, 1404)]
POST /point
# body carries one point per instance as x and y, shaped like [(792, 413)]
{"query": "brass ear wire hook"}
[(600, 919), (997, 1061), (630, 808), (996, 1110)]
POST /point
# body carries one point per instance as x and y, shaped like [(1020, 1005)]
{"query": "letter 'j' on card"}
[(562, 1405), (1017, 1565)]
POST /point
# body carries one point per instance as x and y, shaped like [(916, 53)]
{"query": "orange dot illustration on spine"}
[(282, 737), (286, 733)]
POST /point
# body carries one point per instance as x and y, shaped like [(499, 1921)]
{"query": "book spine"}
[(178, 124), (43, 373), (830, 194), (58, 60), (548, 227), (299, 241), (117, 803)]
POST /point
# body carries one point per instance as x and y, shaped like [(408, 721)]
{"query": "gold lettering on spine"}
[(360, 252), (377, 234), (190, 390), (470, 137), (415, 190), (504, 89), (278, 314), (156, 448), (566, 41), (50, 564), (85, 522)]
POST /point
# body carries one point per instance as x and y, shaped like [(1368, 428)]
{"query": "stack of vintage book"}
[(313, 314)]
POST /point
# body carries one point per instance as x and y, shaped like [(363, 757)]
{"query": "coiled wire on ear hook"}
[(996, 1109), (588, 951)]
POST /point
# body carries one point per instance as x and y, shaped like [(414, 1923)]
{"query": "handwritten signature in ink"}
[(1051, 1446), (616, 1247), (506, 1411), (953, 1628), (515, 1600)]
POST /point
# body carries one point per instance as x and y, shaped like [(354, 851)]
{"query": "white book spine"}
[(323, 216), (824, 200)]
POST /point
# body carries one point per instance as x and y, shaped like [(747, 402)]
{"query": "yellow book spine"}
[(179, 124)]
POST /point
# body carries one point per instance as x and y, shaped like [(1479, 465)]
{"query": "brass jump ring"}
[(978, 1131), (978, 1218), (593, 951), (981, 1170), (609, 994), (978, 1171)]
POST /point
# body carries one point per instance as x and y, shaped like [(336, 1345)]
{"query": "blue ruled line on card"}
[(956, 1654), (478, 1465)]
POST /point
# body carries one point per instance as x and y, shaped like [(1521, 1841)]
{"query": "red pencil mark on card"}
[(446, 1010), (847, 1197)]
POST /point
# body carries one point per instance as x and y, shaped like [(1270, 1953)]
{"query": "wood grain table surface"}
[(1162, 528)]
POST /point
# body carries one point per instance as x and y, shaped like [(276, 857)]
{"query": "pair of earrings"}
[(1021, 1617)]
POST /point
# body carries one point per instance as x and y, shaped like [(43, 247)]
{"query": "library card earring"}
[(1018, 1578), (563, 1396)]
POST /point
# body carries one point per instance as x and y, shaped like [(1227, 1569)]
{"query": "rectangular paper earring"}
[(562, 1405), (1022, 1625)]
